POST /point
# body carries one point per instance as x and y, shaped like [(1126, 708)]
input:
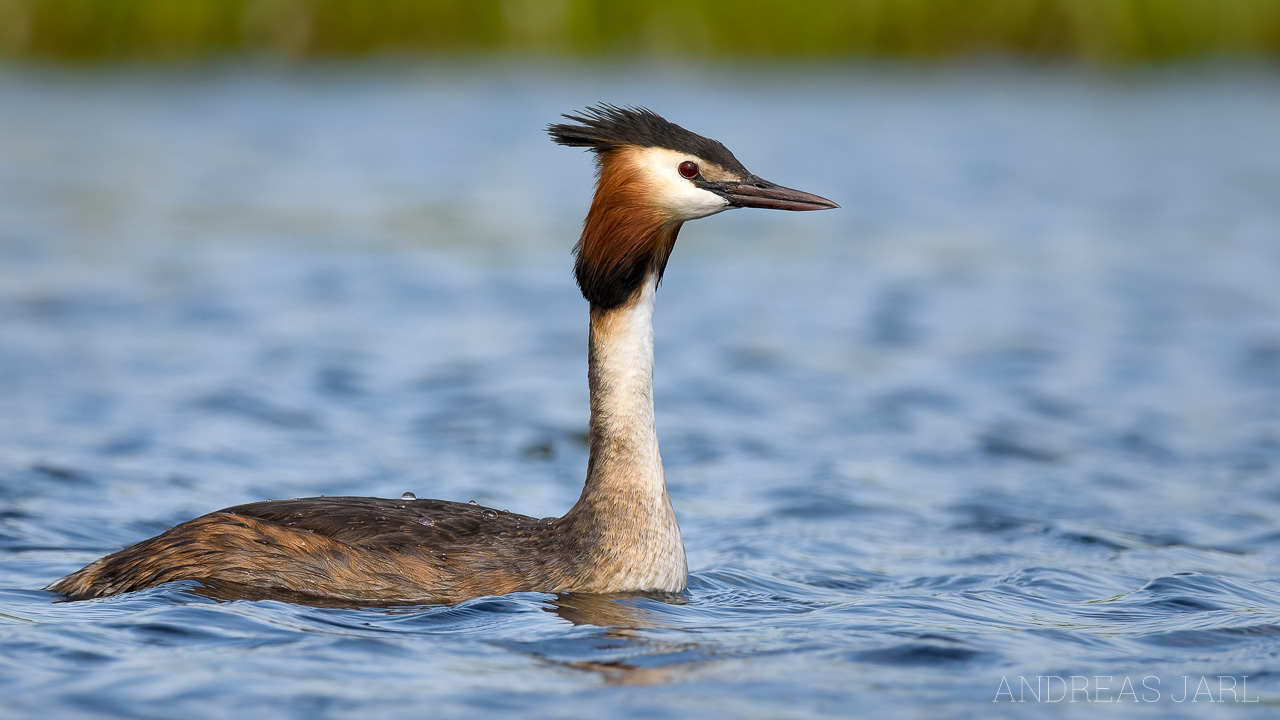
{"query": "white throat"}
[(622, 393), (625, 502)]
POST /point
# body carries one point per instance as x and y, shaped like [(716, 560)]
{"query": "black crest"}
[(604, 127)]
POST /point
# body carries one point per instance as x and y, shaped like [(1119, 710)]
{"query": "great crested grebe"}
[(621, 535)]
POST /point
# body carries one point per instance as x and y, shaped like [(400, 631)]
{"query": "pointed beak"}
[(757, 192)]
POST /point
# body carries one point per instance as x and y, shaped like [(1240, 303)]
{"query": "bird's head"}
[(654, 175)]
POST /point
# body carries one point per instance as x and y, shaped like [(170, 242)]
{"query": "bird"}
[(621, 536)]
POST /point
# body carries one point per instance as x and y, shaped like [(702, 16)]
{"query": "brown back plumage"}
[(362, 550)]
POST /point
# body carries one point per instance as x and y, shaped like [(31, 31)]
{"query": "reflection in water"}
[(619, 652), (617, 611), (615, 646), (620, 611)]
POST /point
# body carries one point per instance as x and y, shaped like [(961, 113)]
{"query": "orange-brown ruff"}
[(621, 535)]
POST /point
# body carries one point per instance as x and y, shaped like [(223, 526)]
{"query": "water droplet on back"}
[(426, 521), (408, 496), (547, 520), (488, 514), (472, 502)]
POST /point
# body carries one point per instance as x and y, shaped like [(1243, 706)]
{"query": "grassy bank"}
[(1099, 30)]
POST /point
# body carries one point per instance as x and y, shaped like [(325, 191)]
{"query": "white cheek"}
[(693, 202), (678, 195)]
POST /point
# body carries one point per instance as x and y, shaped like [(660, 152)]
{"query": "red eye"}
[(689, 169)]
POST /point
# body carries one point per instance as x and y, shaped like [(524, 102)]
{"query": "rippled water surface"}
[(1012, 416)]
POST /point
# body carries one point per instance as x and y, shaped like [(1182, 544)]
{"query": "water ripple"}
[(1011, 415)]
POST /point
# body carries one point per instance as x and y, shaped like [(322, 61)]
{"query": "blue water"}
[(1005, 427)]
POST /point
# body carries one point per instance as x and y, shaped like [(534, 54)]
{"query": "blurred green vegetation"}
[(1101, 30)]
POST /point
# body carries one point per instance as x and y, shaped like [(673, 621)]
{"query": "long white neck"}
[(624, 509)]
